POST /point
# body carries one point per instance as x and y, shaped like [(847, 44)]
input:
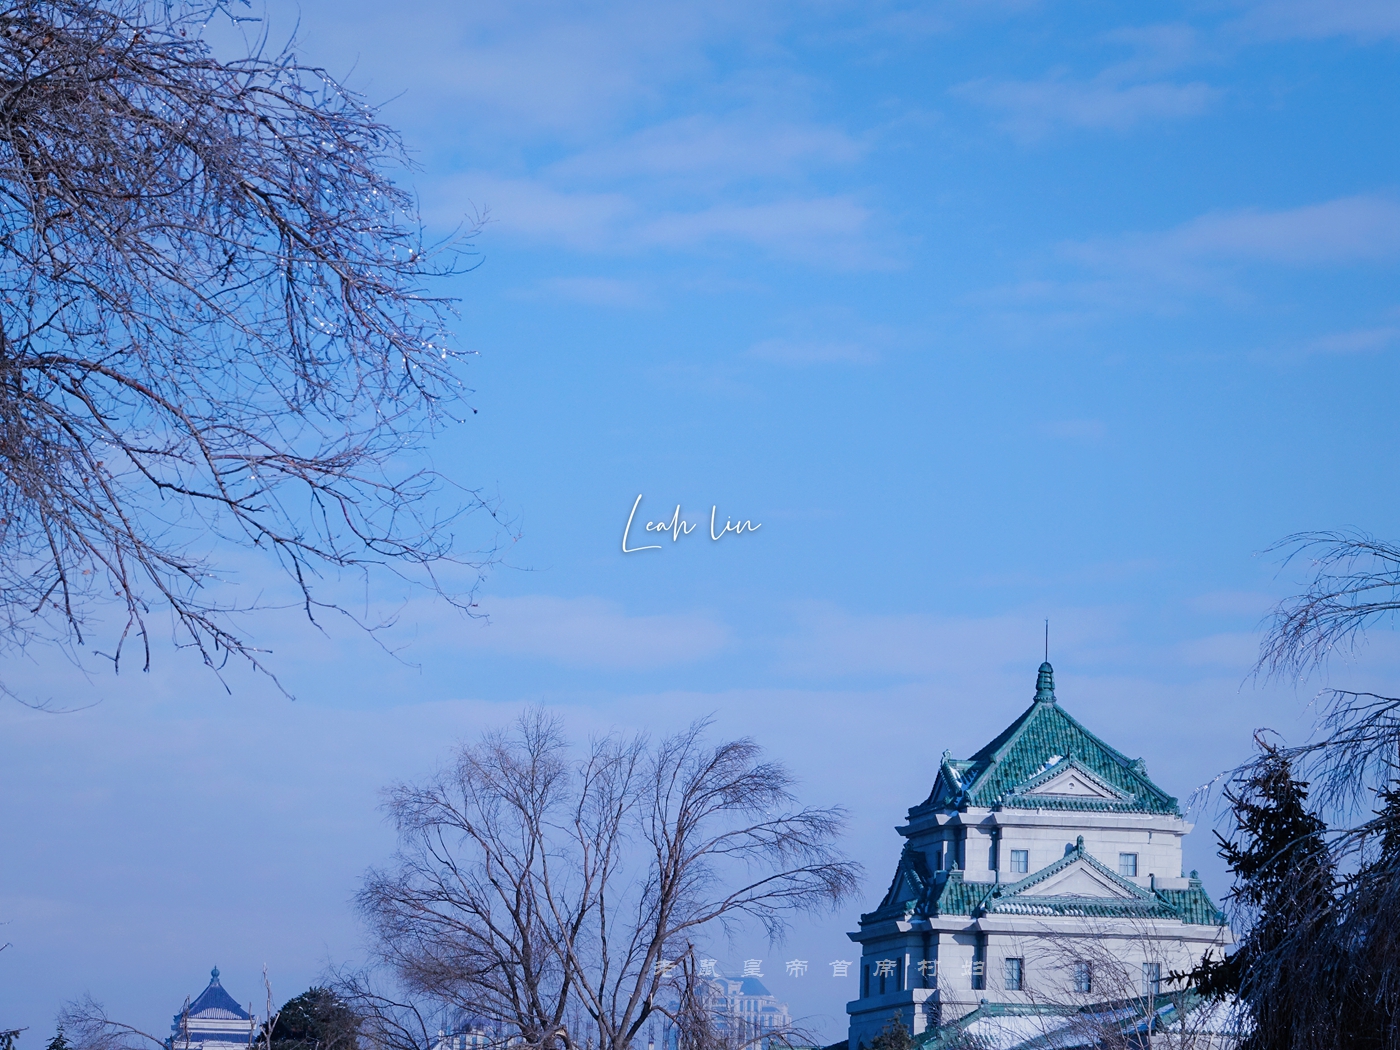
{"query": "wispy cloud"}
[(1347, 230), (709, 150), (832, 641), (827, 230), (1033, 108), (1362, 20), (530, 70), (834, 231), (597, 291), (1233, 650), (1354, 341), (1075, 429), (814, 352), (590, 632)]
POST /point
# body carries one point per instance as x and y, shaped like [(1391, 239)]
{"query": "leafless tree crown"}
[(563, 899), (213, 326)]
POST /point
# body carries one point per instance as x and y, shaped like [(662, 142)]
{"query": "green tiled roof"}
[(917, 892), (1194, 904), (1130, 1020), (1012, 899), (1029, 750)]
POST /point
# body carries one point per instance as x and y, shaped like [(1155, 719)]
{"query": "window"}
[(1020, 861), (1151, 978), (1015, 974), (1127, 865), (1083, 977)]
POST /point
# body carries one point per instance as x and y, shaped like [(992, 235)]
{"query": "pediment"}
[(904, 890), (1080, 879), (1073, 781)]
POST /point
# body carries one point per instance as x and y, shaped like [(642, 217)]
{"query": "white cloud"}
[(831, 231), (1355, 341), (1253, 604), (1363, 20), (1076, 429), (826, 230), (1347, 230), (1235, 651), (533, 210), (590, 632), (714, 150), (598, 291), (523, 70), (1034, 108), (812, 352), (833, 641)]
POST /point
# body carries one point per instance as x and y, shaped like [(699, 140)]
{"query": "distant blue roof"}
[(753, 986), (214, 1002)]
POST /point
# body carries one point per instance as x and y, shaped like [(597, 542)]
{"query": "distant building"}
[(1041, 876), (745, 1007), (214, 1021), (469, 1036)]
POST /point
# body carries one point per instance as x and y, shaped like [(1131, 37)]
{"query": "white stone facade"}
[(1044, 870)]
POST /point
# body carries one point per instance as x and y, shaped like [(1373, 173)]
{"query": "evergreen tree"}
[(1368, 938), (1283, 971), (59, 1041), (317, 1019), (894, 1036)]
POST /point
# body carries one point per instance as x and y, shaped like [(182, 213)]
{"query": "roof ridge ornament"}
[(1045, 684)]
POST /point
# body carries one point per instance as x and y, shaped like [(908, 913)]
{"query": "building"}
[(1171, 1022), (1041, 874), (743, 1006), (469, 1035), (214, 1021)]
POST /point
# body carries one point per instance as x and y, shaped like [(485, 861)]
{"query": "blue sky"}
[(986, 312)]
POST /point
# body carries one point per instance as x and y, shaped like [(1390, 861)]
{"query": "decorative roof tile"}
[(1020, 756), (213, 1004), (917, 892)]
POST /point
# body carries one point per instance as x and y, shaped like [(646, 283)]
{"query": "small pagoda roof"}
[(1046, 760), (213, 1004)]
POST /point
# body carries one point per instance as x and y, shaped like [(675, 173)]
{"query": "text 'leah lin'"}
[(678, 527)]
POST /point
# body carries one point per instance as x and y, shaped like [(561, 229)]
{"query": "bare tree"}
[(530, 883), (215, 326), (1354, 585)]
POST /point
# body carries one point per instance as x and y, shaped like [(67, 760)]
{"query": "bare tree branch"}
[(530, 885), (216, 325)]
